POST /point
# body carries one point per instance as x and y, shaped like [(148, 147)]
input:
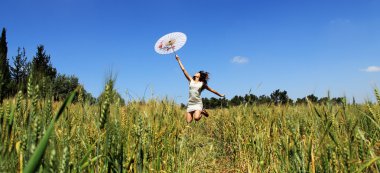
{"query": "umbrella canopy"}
[(170, 43)]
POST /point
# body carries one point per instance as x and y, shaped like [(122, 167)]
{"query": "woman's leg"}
[(197, 115), (205, 113), (189, 117)]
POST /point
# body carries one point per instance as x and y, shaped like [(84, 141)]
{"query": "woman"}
[(197, 84)]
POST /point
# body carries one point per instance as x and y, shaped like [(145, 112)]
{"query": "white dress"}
[(195, 100)]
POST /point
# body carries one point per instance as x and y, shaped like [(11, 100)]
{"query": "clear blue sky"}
[(301, 46)]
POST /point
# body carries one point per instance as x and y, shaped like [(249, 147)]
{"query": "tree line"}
[(277, 97), (38, 73)]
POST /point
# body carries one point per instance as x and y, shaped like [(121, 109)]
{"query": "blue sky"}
[(301, 46)]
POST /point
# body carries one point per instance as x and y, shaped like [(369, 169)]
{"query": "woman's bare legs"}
[(197, 115), (205, 113), (189, 117)]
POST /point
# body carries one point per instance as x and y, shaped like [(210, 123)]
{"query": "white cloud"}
[(372, 69), (239, 60)]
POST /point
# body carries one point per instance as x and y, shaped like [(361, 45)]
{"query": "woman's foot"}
[(204, 112)]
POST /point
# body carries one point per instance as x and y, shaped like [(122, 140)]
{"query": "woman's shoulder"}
[(204, 85)]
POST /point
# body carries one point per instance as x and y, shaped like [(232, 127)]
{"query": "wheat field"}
[(39, 135)]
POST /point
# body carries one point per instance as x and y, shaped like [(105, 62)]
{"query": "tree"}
[(263, 99), (42, 71), (88, 98), (290, 101), (223, 102), (41, 65), (250, 99), (1, 84), (206, 103), (213, 102), (4, 67), (312, 98), (279, 97), (323, 100), (64, 85), (19, 71), (237, 100), (301, 101), (210, 103), (338, 100)]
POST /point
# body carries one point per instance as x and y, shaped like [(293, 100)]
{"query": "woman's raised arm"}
[(183, 68)]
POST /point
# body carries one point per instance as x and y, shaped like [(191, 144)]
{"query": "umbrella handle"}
[(175, 53)]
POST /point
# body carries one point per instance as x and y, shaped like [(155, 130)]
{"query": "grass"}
[(153, 136)]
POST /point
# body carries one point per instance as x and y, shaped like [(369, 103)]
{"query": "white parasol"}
[(170, 43)]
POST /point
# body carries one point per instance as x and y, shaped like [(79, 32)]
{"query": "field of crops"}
[(153, 136)]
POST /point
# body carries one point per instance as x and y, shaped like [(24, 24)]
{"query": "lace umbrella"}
[(170, 43)]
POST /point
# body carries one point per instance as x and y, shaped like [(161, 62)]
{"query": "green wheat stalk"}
[(34, 161)]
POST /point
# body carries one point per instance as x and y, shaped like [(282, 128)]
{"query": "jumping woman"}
[(197, 84)]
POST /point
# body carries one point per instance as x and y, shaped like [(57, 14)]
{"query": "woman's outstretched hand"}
[(177, 57), (223, 95)]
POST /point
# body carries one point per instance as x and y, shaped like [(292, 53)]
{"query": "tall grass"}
[(153, 136)]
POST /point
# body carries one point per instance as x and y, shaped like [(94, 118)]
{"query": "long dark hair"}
[(203, 78)]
